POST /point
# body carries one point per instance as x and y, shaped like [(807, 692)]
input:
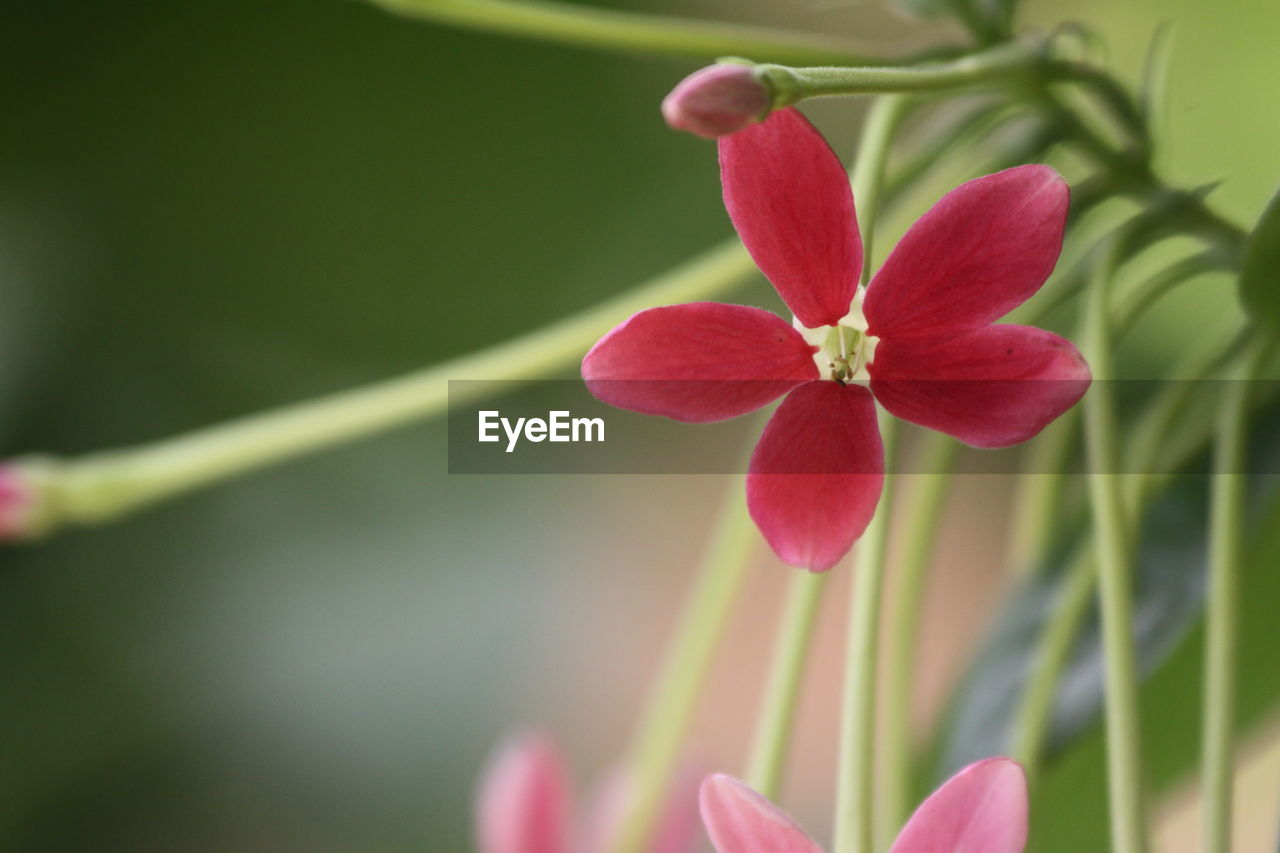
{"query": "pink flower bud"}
[(15, 504), (717, 100), (522, 804)]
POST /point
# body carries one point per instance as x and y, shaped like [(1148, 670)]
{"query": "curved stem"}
[(920, 519), (1226, 545), (109, 484), (656, 750), (782, 693), (613, 29), (1113, 552), (855, 800), (1150, 291)]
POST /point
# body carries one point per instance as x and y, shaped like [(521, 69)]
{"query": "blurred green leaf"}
[(1260, 278), (1070, 811), (990, 19)]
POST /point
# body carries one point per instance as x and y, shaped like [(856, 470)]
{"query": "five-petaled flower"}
[(920, 338), (524, 805), (981, 809)]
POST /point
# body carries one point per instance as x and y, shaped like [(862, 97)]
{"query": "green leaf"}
[(1070, 806), (1260, 277)]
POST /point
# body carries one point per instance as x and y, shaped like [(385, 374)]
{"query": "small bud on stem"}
[(717, 100), (16, 501)]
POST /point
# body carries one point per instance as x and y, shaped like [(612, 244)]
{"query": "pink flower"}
[(920, 338), (524, 805), (15, 504), (981, 809), (717, 100)]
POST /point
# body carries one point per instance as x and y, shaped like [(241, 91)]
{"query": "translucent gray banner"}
[(559, 427)]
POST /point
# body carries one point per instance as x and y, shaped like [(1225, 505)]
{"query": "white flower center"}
[(845, 349)]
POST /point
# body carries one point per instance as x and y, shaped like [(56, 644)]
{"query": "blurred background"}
[(209, 208)]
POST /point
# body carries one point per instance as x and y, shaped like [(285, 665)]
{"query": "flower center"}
[(845, 349)]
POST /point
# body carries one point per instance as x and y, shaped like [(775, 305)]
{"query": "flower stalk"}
[(656, 748), (922, 516), (1005, 65), (108, 485), (611, 29), (1113, 553), (1226, 549), (855, 781), (786, 676), (855, 801)]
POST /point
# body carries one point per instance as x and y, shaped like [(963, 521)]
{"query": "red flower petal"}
[(992, 387), (699, 362), (522, 803), (981, 809), (977, 254), (816, 474), (741, 821), (790, 200)]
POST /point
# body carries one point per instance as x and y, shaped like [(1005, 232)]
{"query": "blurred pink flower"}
[(982, 809), (921, 337), (524, 805), (717, 100), (15, 504)]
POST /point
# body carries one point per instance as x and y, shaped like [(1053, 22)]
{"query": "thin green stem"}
[(1226, 547), (109, 484), (1052, 654), (1144, 450), (854, 795), (883, 120), (1113, 552), (1158, 285), (855, 792), (1007, 64), (612, 29), (656, 748), (921, 521), (786, 675), (1040, 493), (968, 131)]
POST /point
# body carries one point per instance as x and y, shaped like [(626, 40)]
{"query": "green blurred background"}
[(211, 208)]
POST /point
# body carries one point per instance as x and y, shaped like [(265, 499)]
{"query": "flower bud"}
[(522, 802), (16, 501), (717, 100)]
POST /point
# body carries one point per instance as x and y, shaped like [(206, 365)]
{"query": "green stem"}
[(1144, 449), (1004, 65), (1226, 546), (1052, 654), (1113, 552), (612, 29), (882, 123), (656, 749), (855, 800), (854, 795), (921, 520), (786, 674), (109, 484), (1154, 288), (1040, 494)]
